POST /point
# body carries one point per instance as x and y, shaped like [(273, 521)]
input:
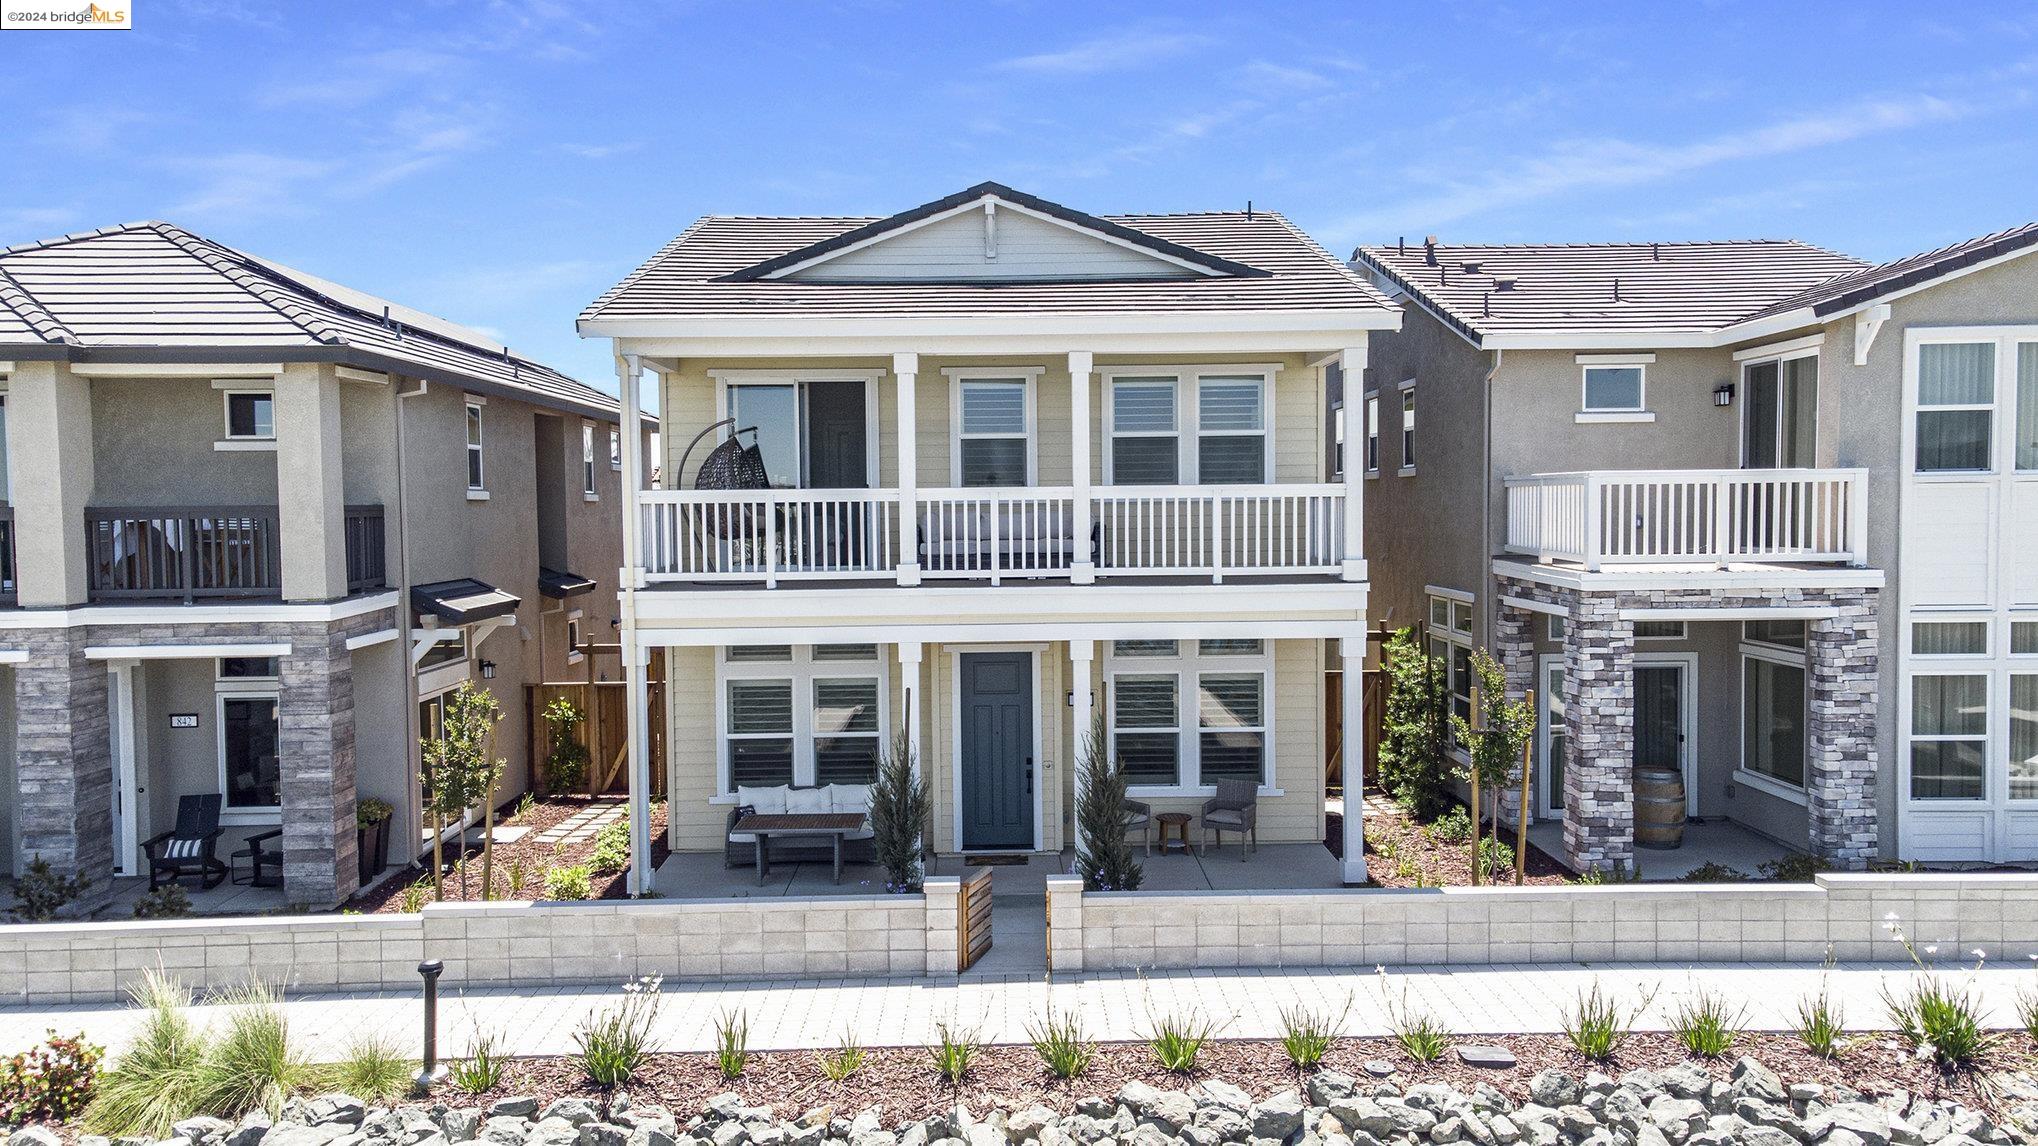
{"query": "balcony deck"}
[(191, 553), (1669, 520)]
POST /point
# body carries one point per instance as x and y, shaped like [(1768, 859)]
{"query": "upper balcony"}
[(210, 552), (1706, 519)]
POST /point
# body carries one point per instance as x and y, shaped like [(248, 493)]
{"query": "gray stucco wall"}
[(152, 444)]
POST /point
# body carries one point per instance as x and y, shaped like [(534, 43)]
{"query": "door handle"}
[(1029, 775)]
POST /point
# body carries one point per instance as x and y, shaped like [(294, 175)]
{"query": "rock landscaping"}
[(1683, 1104)]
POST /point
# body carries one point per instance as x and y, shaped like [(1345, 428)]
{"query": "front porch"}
[(227, 899)]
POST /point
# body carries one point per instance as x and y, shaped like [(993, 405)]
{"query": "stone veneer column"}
[(1599, 725), (64, 758), (316, 719), (1841, 667), (1514, 646)]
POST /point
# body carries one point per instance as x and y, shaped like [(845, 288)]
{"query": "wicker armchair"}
[(1139, 814), (1235, 808)]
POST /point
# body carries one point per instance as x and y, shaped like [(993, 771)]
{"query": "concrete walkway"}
[(1116, 1005)]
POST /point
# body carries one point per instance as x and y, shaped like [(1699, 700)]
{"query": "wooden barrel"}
[(1659, 808)]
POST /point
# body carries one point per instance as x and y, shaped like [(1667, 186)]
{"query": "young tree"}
[(460, 768), (1495, 745), (898, 810), (1413, 759), (1105, 859), (566, 761)]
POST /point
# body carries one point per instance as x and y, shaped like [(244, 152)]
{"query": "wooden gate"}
[(606, 729), (973, 919)]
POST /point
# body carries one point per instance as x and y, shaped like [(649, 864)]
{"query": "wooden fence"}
[(606, 729)]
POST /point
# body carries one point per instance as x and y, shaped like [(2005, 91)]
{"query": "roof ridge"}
[(1623, 244), (255, 284), (47, 326), (78, 237), (1308, 240), (642, 269)]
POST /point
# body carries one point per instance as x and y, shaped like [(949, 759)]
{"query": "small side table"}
[(1178, 824)]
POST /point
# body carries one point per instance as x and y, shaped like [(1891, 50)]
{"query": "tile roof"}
[(1559, 288), (155, 290), (1873, 282), (709, 272)]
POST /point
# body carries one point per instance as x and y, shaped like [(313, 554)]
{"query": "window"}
[(451, 647), (1949, 736), (1372, 433), (801, 715), (2023, 736), (1784, 634), (993, 446), (1659, 630), (1779, 420), (1773, 718), (4, 565), (476, 476), (1956, 406), (1613, 389), (2023, 638), (1555, 741), (574, 655), (2027, 406), (250, 774), (1193, 428), (615, 449), (1949, 638), (1408, 426), (1145, 441), (1231, 428), (250, 415), (1337, 440), (587, 460), (247, 668), (1450, 644), (1155, 739), (1560, 627)]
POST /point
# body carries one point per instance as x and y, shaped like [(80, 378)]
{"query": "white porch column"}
[(1083, 568), (1352, 360), (1081, 655), (1352, 646), (126, 764), (910, 653), (636, 688), (907, 368)]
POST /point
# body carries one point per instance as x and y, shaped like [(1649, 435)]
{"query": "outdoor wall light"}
[(487, 670), (1724, 395)]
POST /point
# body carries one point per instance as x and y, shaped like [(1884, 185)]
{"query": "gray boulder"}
[(519, 1106), (33, 1136), (1225, 1096), (1328, 1086), (1278, 1117), (1753, 1080), (504, 1130)]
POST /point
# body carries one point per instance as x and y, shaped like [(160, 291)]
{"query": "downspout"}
[(1486, 500), (414, 800)]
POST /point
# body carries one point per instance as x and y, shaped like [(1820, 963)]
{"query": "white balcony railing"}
[(1708, 517), (995, 533)]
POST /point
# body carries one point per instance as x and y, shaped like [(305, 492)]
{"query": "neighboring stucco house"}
[(1024, 464), (253, 527), (1752, 511)]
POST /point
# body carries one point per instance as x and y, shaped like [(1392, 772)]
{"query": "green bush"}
[(1714, 873), (1307, 1035), (615, 1042), (370, 812), (155, 1084), (566, 759), (52, 1082), (1418, 1033), (41, 893), (1597, 1026), (1496, 859), (1822, 1025), (1706, 1025), (252, 1065), (846, 1059), (574, 882), (483, 1067), (898, 808), (1940, 1019), (1415, 737), (1452, 827), (166, 902), (611, 846), (1177, 1038), (1105, 861), (732, 1044), (954, 1052), (374, 1070), (1062, 1043)]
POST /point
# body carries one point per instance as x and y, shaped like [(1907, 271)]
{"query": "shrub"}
[(732, 1044), (415, 897), (1105, 860), (1597, 1026), (612, 846), (1307, 1035), (1822, 1025), (954, 1052), (846, 1059), (52, 1082), (41, 893), (1706, 1025), (566, 758), (1177, 1038), (574, 882), (1062, 1043), (374, 1069), (252, 1066), (1714, 873), (1496, 859), (155, 1084), (517, 869), (370, 812), (1453, 827), (615, 1043), (1939, 1020), (483, 1067), (1418, 1033), (1414, 761), (166, 902), (1797, 867), (898, 808)]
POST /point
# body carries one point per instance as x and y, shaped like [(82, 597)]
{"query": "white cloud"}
[(1116, 53), (600, 150), (247, 182)]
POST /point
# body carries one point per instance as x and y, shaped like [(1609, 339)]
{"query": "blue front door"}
[(997, 750)]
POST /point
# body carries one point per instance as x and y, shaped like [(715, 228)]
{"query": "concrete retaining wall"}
[(1839, 913), (483, 944)]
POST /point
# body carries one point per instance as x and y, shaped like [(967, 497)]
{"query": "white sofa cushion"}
[(850, 797), (808, 801), (764, 801)]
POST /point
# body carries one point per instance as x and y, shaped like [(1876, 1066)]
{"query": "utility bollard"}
[(431, 1073)]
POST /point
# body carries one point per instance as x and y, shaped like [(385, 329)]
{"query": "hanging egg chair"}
[(731, 465)]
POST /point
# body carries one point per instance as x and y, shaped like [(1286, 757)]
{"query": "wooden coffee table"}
[(1178, 823), (834, 825)]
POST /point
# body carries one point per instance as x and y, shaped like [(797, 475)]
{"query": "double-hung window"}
[(1450, 645), (1956, 406), (615, 449), (477, 475), (587, 488), (1372, 433), (1407, 427), (993, 430), (800, 715), (1186, 714), (1202, 426), (1949, 726)]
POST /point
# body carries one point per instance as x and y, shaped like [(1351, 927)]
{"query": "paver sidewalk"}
[(1116, 1005)]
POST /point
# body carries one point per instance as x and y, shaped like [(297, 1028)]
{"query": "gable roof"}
[(1591, 290), (152, 291), (723, 267), (1865, 286)]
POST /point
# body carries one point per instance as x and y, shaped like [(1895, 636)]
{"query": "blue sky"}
[(501, 163)]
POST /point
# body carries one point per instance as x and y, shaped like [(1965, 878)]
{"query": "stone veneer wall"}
[(1840, 914), (1841, 662), (63, 755), (483, 944)]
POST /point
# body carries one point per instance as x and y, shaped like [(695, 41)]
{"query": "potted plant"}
[(371, 838)]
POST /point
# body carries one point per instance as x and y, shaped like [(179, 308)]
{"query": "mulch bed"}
[(903, 1081), (1400, 853), (546, 813)]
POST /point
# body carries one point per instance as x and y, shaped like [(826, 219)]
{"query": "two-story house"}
[(1753, 514), (1015, 466), (254, 526)]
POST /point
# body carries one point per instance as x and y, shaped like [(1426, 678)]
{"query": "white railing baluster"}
[(1709, 516)]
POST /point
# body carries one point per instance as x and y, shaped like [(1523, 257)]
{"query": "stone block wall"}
[(63, 756), (1840, 915)]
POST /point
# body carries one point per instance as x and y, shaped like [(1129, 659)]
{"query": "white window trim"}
[(616, 451), (727, 379), (2002, 411), (230, 442), (1989, 636), (248, 688), (1995, 780), (1340, 439), (801, 670), (1406, 390), (476, 441), (1639, 412), (1029, 377), (590, 488), (1188, 666), (1453, 636), (1188, 432), (574, 620), (1742, 774), (1372, 434), (1747, 360)]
